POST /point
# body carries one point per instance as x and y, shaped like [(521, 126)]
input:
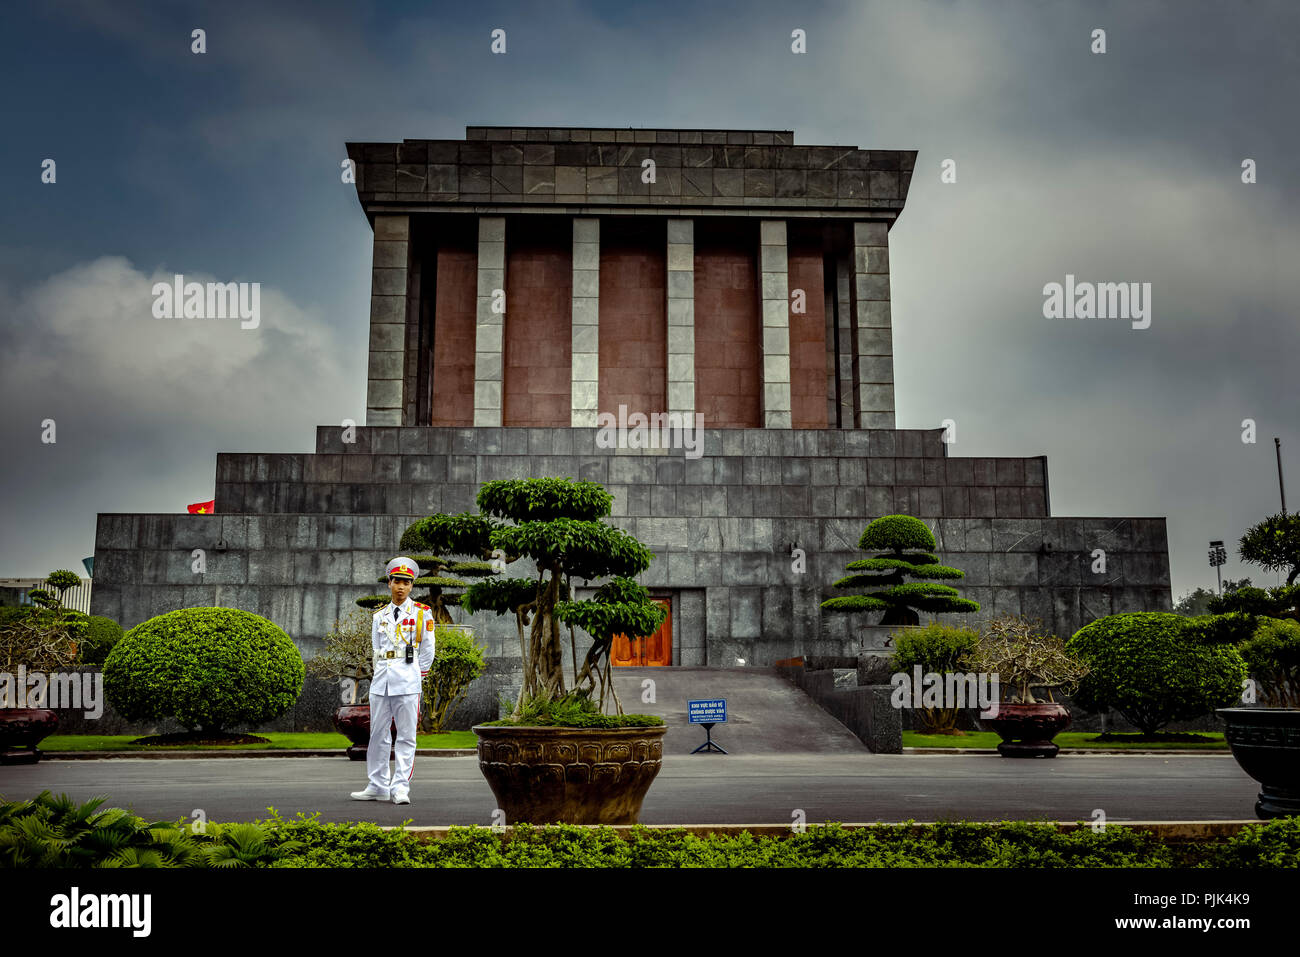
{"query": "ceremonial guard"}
[(401, 636)]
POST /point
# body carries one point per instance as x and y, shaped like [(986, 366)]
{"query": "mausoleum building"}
[(527, 280)]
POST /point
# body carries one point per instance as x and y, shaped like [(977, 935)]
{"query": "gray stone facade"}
[(297, 536)]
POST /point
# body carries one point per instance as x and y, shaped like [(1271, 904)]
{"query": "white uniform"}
[(395, 690)]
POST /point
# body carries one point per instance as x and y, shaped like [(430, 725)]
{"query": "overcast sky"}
[(1117, 167)]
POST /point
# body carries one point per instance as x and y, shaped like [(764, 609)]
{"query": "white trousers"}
[(384, 709)]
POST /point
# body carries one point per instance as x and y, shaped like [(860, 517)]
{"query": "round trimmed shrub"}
[(101, 634), (209, 668), (897, 532), (1153, 668)]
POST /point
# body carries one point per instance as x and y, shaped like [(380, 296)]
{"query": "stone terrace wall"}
[(304, 534)]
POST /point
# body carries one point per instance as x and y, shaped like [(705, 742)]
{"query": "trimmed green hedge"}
[(1153, 668), (55, 832), (209, 668), (1274, 844)]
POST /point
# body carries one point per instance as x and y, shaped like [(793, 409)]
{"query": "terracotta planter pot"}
[(1266, 744), (1027, 730), (353, 720), (570, 775), (21, 729)]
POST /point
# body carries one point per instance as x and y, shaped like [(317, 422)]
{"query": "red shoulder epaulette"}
[(418, 605)]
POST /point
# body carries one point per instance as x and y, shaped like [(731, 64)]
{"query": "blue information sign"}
[(709, 711)]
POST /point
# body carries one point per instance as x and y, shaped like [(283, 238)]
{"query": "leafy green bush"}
[(50, 831), (209, 668), (1226, 629), (936, 648), (56, 832), (1274, 844), (459, 661), (1152, 668), (1272, 654), (100, 636)]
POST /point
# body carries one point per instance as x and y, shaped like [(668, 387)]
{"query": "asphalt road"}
[(690, 789)]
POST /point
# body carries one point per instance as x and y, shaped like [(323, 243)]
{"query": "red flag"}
[(202, 508)]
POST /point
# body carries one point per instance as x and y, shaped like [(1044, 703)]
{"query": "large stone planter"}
[(21, 729), (1266, 744), (570, 775), (1027, 730), (353, 720)]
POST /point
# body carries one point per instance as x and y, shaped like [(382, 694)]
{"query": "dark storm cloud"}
[(1116, 167)]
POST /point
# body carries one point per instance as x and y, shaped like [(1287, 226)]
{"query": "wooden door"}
[(656, 649)]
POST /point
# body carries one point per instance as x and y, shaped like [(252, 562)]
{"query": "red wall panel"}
[(454, 326), (807, 339), (728, 325), (633, 316)]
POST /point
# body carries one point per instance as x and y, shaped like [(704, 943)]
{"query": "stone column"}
[(681, 318), (490, 326), (389, 279), (844, 336), (585, 383), (773, 267), (875, 345)]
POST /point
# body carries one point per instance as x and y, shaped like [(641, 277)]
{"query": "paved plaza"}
[(691, 789)]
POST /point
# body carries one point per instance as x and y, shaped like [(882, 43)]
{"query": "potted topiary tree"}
[(905, 545), (34, 641), (1265, 740), (558, 756), (209, 668), (1024, 657)]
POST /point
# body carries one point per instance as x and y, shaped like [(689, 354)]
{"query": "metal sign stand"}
[(708, 744)]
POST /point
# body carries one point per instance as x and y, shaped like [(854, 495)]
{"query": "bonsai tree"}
[(1280, 602), (938, 649), (459, 662), (59, 581), (556, 523), (348, 656), (1274, 544), (1272, 654), (209, 668), (1024, 657), (45, 637), (905, 546), (1154, 668)]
